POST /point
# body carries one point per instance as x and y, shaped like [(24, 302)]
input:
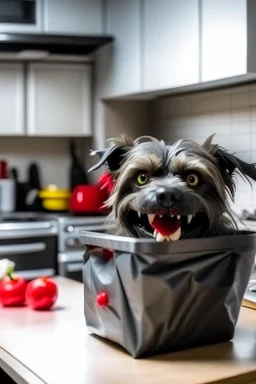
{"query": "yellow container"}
[(55, 199)]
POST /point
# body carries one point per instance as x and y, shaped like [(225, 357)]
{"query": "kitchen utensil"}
[(33, 201), (3, 169), (21, 191), (7, 195), (54, 198), (14, 175), (77, 171), (34, 176), (26, 192), (87, 199)]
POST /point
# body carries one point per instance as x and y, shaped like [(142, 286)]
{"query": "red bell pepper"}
[(12, 291), (41, 293)]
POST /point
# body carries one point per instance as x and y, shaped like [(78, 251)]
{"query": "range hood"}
[(52, 44)]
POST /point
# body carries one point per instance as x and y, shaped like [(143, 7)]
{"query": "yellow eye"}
[(192, 180), (142, 179)]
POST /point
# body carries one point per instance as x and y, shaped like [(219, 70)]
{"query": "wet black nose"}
[(168, 196)]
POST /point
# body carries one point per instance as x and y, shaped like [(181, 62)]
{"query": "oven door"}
[(33, 257), (70, 260), (20, 16), (70, 265)]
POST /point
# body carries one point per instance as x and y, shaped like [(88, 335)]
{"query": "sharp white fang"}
[(160, 237), (172, 215), (190, 217), (178, 217), (151, 217), (155, 233), (176, 235), (139, 213)]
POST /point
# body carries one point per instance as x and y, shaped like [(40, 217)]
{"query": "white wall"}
[(230, 113)]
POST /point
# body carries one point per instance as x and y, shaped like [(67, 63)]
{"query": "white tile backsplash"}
[(229, 113), (253, 143), (240, 98), (254, 198), (244, 199), (253, 155), (240, 114), (221, 100), (241, 127), (240, 142), (222, 116)]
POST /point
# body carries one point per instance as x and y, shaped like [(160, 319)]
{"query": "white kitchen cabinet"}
[(228, 40), (12, 115), (170, 44), (224, 38), (73, 17), (59, 100), (121, 60)]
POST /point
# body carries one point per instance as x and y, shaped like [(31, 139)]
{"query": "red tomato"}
[(12, 291), (41, 293)]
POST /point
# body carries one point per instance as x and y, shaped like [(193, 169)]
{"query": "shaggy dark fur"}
[(181, 190)]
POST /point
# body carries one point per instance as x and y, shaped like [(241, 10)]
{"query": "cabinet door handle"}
[(76, 267), (34, 273), (21, 248)]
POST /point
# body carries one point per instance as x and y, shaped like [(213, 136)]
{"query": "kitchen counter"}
[(55, 348)]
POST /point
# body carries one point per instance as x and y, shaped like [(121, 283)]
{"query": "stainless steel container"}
[(163, 297)]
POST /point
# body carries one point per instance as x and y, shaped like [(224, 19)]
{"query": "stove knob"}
[(73, 243), (70, 229)]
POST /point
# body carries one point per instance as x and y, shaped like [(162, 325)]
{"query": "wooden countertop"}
[(55, 348)]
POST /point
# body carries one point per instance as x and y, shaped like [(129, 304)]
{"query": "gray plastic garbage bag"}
[(154, 298)]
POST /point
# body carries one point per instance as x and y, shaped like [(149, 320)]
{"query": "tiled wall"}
[(229, 113)]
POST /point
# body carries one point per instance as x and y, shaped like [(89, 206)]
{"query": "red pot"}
[(88, 199)]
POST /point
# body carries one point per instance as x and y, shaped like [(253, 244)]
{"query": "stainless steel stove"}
[(46, 243), (70, 251), (31, 242)]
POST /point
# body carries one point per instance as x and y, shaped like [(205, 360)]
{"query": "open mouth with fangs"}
[(166, 226)]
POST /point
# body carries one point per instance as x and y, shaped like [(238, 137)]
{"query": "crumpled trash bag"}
[(164, 297)]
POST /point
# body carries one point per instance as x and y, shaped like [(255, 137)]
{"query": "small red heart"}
[(107, 254), (166, 225), (102, 299)]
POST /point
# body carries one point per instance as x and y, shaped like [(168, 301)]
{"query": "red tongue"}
[(165, 225)]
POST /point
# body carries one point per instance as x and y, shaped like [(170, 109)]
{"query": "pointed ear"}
[(228, 162), (113, 155)]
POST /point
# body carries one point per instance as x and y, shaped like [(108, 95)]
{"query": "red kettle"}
[(90, 199)]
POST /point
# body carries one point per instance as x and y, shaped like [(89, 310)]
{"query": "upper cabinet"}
[(156, 47), (162, 46), (121, 60), (64, 17), (12, 116), (170, 38), (224, 39), (73, 17), (59, 100)]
